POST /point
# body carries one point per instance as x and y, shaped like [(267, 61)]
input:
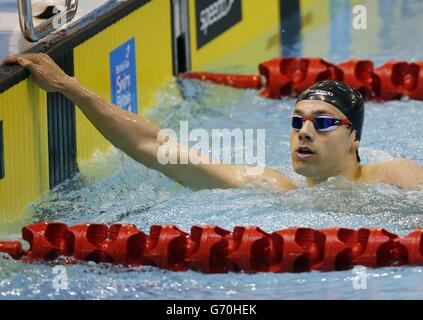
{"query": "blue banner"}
[(123, 76)]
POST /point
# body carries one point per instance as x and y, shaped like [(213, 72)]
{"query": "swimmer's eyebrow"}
[(315, 113)]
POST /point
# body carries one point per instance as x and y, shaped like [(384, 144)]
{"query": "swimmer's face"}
[(331, 149)]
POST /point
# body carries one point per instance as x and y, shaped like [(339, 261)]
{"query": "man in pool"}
[(327, 122)]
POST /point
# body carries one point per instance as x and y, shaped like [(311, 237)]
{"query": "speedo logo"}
[(215, 12), (324, 92)]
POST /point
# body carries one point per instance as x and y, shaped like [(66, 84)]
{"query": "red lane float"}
[(230, 80), (288, 77), (211, 249)]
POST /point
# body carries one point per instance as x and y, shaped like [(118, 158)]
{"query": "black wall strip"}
[(180, 43), (1, 151), (61, 130), (290, 16)]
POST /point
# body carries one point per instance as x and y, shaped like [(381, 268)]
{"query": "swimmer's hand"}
[(44, 71)]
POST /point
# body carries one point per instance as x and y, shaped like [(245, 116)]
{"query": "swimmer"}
[(327, 122)]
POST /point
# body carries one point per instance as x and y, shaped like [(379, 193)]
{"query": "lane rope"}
[(211, 249), (288, 77)]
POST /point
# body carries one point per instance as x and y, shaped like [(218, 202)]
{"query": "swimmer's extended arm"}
[(138, 137)]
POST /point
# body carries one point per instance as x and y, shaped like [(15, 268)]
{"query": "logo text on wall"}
[(215, 17), (123, 76)]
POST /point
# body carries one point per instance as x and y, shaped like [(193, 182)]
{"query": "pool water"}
[(116, 189)]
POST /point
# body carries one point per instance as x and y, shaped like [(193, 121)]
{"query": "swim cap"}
[(348, 100)]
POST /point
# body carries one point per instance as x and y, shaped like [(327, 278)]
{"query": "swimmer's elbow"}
[(276, 180)]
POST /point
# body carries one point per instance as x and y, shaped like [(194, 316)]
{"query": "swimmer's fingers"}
[(26, 59), (26, 63), (44, 71), (23, 60), (10, 60)]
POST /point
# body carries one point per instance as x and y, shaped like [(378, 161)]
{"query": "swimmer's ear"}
[(353, 133), (355, 145), (355, 142)]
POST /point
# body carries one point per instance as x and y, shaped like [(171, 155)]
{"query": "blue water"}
[(116, 189)]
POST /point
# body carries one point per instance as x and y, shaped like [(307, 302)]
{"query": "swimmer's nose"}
[(307, 131)]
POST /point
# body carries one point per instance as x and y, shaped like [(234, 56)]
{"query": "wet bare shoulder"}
[(372, 172), (398, 171)]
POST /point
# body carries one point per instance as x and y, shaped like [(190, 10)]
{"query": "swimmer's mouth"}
[(304, 150)]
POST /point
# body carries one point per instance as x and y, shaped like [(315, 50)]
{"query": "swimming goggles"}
[(321, 123)]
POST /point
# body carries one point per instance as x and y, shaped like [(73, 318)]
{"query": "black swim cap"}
[(348, 100)]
